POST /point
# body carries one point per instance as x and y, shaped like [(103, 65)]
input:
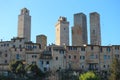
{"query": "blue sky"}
[(45, 14)]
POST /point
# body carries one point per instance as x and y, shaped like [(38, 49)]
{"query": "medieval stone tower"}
[(79, 30), (24, 24), (95, 32), (42, 40), (62, 31)]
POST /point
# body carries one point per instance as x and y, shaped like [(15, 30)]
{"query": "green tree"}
[(34, 71), (88, 76), (17, 67), (115, 70)]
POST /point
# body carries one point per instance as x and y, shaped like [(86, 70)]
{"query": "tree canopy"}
[(22, 70), (17, 67), (88, 76), (33, 68), (115, 69)]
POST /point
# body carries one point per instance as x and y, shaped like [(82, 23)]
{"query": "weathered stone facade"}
[(95, 31), (24, 24), (79, 30), (55, 57), (62, 31), (42, 39)]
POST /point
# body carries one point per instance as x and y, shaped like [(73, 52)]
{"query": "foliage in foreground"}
[(88, 76), (33, 68), (17, 67), (115, 70), (20, 70)]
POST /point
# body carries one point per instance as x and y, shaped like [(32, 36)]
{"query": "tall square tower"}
[(62, 31), (95, 32), (79, 30), (24, 24)]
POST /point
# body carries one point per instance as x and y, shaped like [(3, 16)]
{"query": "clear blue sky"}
[(45, 14)]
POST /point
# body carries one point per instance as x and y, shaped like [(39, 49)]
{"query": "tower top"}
[(62, 18), (94, 13), (79, 14), (24, 11)]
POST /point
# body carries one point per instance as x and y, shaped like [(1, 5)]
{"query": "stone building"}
[(53, 58), (18, 49), (87, 57), (60, 56), (79, 30), (42, 39), (95, 31), (24, 24), (62, 31)]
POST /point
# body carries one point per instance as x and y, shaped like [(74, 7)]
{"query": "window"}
[(83, 57), (1, 45), (116, 47), (80, 57), (93, 32), (82, 48), (92, 56), (64, 57), (100, 49), (45, 69), (74, 48), (56, 58), (15, 49), (34, 56), (40, 46), (20, 40), (92, 47), (33, 62), (82, 66), (17, 56), (42, 62), (34, 47), (108, 56), (108, 66), (0, 54), (105, 57), (70, 48), (5, 61), (74, 56), (13, 46), (117, 55), (59, 68), (5, 55), (29, 47), (19, 46), (104, 66), (47, 62), (108, 49), (69, 56), (61, 51)]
